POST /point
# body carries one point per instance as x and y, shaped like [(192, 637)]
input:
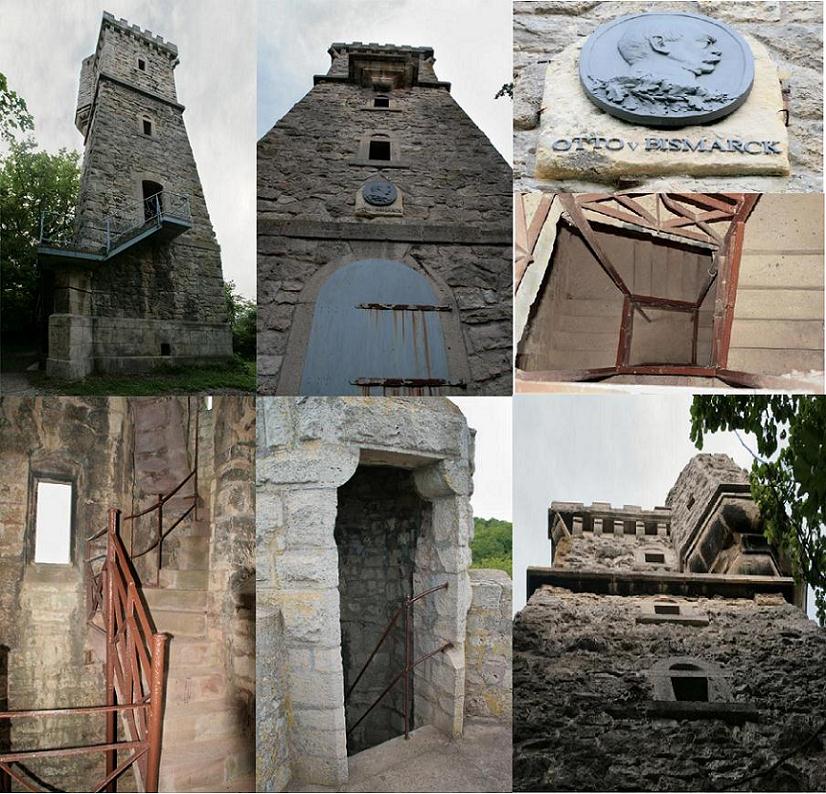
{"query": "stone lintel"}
[(661, 583), (386, 232), (736, 713)]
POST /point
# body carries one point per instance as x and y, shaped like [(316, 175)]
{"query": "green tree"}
[(242, 318), (31, 182), (788, 474), (14, 116), (492, 544)]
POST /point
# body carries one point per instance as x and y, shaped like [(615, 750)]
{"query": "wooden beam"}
[(626, 327), (581, 222)]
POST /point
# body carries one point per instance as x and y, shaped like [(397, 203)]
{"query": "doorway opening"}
[(152, 199), (379, 523)]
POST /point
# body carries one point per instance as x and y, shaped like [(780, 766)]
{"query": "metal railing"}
[(405, 611), (135, 682), (59, 230)]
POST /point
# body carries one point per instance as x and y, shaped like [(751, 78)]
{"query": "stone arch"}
[(689, 678)]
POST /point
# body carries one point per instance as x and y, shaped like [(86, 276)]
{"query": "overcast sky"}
[(471, 41), (42, 43), (491, 418), (622, 449)]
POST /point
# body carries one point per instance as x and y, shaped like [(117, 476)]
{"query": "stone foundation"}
[(80, 345)]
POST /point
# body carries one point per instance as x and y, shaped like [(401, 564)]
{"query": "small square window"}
[(656, 557), (666, 609), (166, 349), (53, 523), (147, 127), (381, 102), (142, 64), (379, 150)]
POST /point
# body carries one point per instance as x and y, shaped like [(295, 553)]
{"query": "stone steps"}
[(171, 578), (174, 598), (180, 622), (214, 765)]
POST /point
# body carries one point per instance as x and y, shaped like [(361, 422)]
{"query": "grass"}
[(236, 376)]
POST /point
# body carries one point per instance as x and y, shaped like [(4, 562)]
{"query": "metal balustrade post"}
[(156, 704), (408, 617), (109, 626), (160, 541)]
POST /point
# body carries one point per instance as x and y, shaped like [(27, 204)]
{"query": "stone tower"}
[(384, 237), (666, 649), (136, 282)]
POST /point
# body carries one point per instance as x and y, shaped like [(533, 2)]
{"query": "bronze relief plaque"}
[(669, 69)]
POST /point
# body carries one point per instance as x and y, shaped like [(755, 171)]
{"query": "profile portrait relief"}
[(666, 60)]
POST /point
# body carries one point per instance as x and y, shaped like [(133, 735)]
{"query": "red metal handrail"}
[(134, 673), (406, 609)]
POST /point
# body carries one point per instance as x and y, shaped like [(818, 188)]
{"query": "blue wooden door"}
[(375, 320)]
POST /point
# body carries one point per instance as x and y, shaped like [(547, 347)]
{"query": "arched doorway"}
[(376, 326)]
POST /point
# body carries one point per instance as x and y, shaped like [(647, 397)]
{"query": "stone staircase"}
[(203, 736)]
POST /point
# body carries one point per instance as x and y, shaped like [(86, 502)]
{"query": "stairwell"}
[(203, 735)]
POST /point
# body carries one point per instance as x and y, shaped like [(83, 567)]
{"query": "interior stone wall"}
[(55, 660), (582, 684), (792, 32), (379, 519), (575, 319), (231, 611)]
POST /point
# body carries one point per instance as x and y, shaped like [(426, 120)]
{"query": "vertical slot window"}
[(53, 523)]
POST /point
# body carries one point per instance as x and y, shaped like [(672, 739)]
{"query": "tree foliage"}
[(242, 319), (492, 544), (14, 115), (788, 475), (31, 181)]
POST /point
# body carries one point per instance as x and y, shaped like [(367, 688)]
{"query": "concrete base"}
[(478, 761), (81, 344)]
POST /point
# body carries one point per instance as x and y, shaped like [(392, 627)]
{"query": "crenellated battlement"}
[(146, 36), (603, 518)]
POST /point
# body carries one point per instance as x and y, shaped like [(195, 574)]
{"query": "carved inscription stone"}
[(585, 128)]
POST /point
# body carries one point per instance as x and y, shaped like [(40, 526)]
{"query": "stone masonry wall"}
[(455, 227), (793, 33), (488, 681), (690, 496), (582, 683), (175, 280), (55, 660), (232, 560), (307, 449), (378, 523)]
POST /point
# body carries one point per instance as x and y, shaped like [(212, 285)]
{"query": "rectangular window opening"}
[(381, 102), (379, 150), (655, 557), (690, 688), (53, 523), (142, 64), (666, 609), (650, 529), (166, 349), (147, 127)]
